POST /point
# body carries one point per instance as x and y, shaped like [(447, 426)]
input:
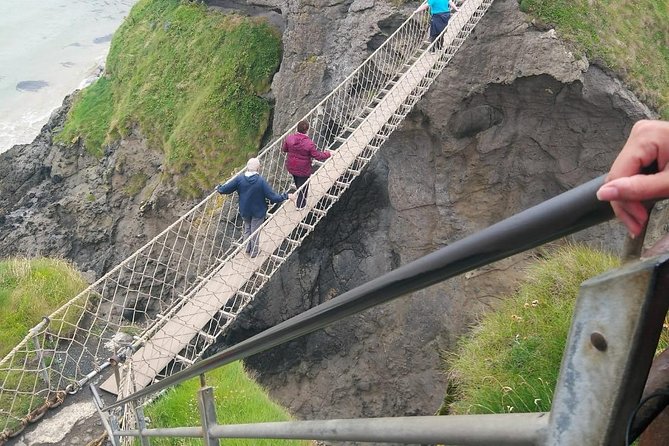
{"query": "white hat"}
[(253, 165)]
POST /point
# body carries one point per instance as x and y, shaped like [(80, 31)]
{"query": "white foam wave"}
[(52, 42), (22, 129)]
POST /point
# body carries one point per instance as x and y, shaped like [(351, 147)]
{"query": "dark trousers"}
[(437, 25), (302, 195)]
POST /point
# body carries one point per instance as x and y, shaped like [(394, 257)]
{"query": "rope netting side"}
[(230, 288), (187, 284), (209, 309), (74, 342)]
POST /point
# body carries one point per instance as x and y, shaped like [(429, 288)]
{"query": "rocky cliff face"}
[(515, 119), (62, 202), (324, 41)]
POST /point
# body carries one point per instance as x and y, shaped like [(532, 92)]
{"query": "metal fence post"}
[(107, 424), (205, 400), (115, 438), (39, 352), (617, 323), (114, 361), (40, 361), (141, 424)]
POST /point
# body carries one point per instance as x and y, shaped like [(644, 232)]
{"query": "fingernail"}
[(608, 193)]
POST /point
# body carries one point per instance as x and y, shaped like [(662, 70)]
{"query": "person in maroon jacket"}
[(301, 150)]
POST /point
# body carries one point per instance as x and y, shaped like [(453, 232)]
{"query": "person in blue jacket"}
[(253, 190), (440, 15)]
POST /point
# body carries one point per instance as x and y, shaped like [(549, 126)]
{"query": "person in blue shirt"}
[(253, 190), (440, 14)]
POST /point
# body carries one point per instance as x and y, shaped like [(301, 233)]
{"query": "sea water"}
[(48, 49)]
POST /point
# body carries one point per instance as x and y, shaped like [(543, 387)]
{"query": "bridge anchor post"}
[(205, 400), (617, 323)]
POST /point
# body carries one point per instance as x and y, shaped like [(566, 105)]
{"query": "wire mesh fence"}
[(166, 304)]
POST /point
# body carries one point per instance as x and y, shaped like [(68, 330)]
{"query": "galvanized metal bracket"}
[(112, 431), (207, 408), (617, 323)]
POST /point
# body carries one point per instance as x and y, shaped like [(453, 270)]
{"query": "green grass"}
[(629, 36), (30, 290), (90, 122), (191, 80), (17, 397), (135, 184), (238, 399), (511, 361)]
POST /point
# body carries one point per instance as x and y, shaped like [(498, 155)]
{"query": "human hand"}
[(626, 185), (291, 197)]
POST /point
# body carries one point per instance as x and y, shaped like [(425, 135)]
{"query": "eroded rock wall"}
[(58, 201), (515, 119), (323, 42)]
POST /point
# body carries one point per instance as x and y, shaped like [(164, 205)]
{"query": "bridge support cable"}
[(173, 298)]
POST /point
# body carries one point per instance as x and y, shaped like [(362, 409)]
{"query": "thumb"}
[(636, 188)]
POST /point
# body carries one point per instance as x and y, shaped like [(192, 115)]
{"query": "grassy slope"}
[(629, 36), (30, 290), (511, 361), (191, 81), (238, 398)]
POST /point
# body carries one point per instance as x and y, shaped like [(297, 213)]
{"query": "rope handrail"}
[(172, 278)]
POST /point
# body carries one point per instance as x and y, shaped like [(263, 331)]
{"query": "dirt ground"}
[(75, 423)]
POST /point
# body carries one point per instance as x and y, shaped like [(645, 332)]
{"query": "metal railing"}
[(616, 326)]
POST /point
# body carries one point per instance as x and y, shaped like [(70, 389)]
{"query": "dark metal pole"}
[(656, 397), (565, 214)]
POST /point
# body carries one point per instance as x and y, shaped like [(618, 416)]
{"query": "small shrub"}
[(136, 184)]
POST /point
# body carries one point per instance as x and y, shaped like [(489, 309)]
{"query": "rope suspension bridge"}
[(159, 311)]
